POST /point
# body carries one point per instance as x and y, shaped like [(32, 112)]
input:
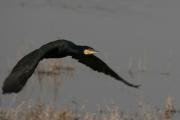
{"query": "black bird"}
[(56, 49)]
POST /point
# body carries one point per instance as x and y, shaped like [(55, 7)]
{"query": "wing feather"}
[(98, 65), (21, 72)]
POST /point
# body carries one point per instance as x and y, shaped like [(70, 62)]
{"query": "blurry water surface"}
[(138, 39)]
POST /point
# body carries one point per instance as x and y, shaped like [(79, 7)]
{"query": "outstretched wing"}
[(21, 72), (98, 65)]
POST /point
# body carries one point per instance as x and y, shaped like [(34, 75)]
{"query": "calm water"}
[(141, 36)]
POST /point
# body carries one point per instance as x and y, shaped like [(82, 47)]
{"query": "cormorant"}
[(56, 49)]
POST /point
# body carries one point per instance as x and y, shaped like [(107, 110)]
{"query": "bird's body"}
[(56, 49)]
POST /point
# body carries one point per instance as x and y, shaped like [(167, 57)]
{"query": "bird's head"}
[(88, 50)]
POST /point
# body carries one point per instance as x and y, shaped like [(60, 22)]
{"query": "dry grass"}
[(53, 69), (41, 111)]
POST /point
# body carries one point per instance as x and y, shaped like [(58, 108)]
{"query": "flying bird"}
[(56, 49)]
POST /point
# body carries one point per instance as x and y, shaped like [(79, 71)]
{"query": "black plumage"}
[(56, 49)]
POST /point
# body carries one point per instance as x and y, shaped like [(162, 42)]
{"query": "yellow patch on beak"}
[(89, 51)]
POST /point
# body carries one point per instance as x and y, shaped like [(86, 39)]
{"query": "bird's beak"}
[(95, 51)]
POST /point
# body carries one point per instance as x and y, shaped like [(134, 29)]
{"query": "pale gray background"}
[(137, 35)]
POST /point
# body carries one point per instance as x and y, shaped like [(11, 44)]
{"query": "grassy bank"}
[(41, 111)]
